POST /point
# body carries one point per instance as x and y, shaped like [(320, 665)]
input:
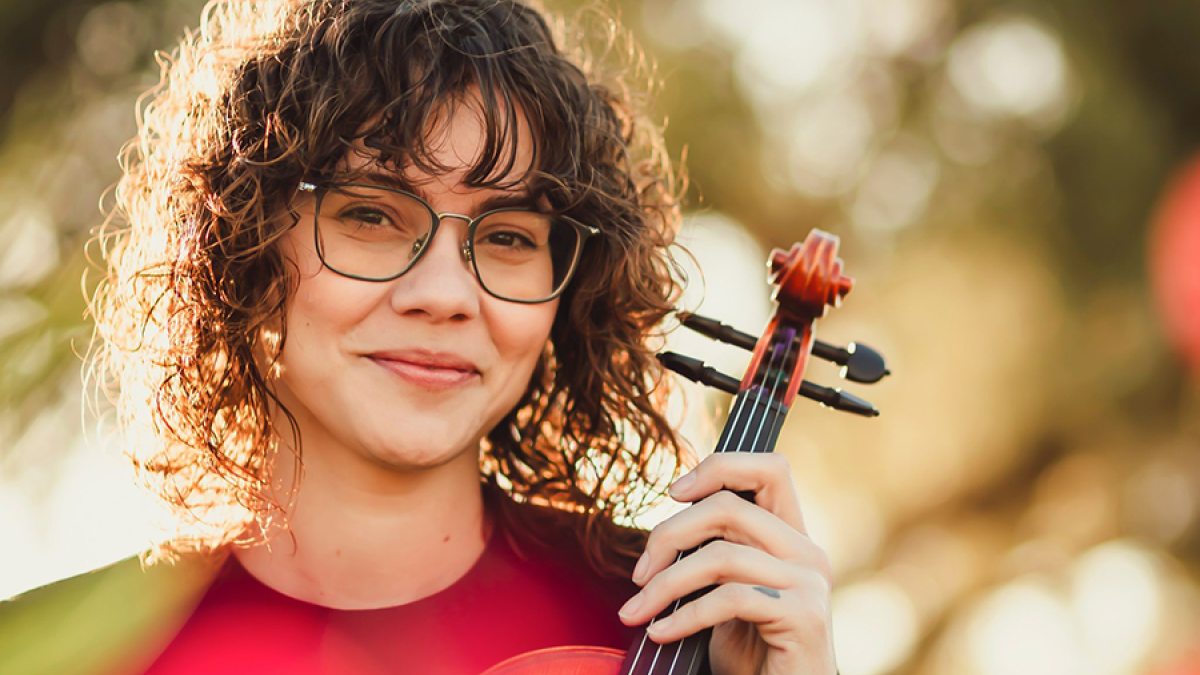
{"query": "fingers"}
[(728, 517), (761, 565), (767, 475), (782, 616), (719, 562)]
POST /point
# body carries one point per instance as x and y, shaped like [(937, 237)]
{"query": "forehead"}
[(464, 144)]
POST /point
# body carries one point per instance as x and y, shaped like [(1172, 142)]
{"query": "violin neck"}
[(754, 422), (753, 426)]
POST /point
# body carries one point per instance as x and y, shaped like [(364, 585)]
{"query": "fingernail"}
[(631, 607), (681, 486), (639, 570), (659, 627)]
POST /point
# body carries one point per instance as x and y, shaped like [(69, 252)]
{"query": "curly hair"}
[(271, 92)]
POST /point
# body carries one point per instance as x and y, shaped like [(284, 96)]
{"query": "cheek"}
[(321, 302), (298, 247), (521, 331)]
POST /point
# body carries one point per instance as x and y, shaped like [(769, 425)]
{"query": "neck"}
[(368, 536)]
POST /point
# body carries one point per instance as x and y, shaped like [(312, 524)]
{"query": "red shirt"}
[(505, 605)]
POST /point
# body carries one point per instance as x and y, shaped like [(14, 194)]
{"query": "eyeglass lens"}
[(378, 233)]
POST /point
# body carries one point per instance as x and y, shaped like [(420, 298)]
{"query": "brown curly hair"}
[(271, 92)]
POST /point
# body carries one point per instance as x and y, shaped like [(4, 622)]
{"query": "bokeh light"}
[(877, 627), (1015, 189), (1024, 628)]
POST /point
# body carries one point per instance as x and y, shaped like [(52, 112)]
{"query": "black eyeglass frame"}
[(468, 246)]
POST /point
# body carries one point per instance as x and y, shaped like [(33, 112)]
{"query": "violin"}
[(807, 280)]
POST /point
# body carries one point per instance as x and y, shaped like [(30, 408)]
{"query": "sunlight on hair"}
[(270, 339)]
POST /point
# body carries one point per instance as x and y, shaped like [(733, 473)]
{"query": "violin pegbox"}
[(808, 280)]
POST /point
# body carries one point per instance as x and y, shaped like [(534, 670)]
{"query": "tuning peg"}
[(862, 364), (711, 328), (696, 371), (838, 399)]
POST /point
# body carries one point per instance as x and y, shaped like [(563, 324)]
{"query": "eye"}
[(366, 215), (508, 239)]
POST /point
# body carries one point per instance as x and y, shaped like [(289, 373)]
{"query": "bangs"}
[(414, 67), (397, 146)]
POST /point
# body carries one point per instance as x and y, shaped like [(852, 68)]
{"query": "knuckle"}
[(726, 501), (722, 556), (779, 463), (657, 586), (815, 584), (711, 462), (662, 535), (725, 506), (722, 552)]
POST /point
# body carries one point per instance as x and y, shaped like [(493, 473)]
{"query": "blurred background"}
[(1016, 186)]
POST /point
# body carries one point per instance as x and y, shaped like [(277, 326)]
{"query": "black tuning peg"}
[(861, 363), (711, 328), (696, 371), (838, 399)]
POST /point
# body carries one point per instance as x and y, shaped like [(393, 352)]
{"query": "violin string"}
[(789, 334), (739, 406), (778, 378), (781, 414)]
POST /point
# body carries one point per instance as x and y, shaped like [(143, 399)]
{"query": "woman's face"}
[(412, 372)]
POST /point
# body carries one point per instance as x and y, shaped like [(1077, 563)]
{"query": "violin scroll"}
[(808, 280), (809, 276)]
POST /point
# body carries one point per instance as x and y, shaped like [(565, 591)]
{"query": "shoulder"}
[(97, 622)]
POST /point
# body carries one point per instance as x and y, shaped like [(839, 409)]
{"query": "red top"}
[(505, 605)]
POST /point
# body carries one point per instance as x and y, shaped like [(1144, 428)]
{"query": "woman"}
[(378, 327)]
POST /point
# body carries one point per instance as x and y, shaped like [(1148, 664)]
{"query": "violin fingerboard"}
[(683, 657), (755, 419)]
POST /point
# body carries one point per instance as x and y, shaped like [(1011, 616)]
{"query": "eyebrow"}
[(501, 200)]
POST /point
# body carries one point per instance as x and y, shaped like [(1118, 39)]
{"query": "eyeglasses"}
[(377, 233)]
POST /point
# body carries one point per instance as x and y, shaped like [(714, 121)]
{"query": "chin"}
[(422, 455)]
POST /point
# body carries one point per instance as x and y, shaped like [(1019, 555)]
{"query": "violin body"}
[(562, 661)]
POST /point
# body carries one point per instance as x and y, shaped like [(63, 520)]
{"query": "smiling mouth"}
[(428, 375)]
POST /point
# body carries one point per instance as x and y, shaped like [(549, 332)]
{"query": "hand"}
[(771, 606)]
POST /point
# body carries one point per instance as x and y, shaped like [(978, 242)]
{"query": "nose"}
[(440, 286)]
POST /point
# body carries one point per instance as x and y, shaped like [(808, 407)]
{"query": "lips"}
[(431, 370)]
